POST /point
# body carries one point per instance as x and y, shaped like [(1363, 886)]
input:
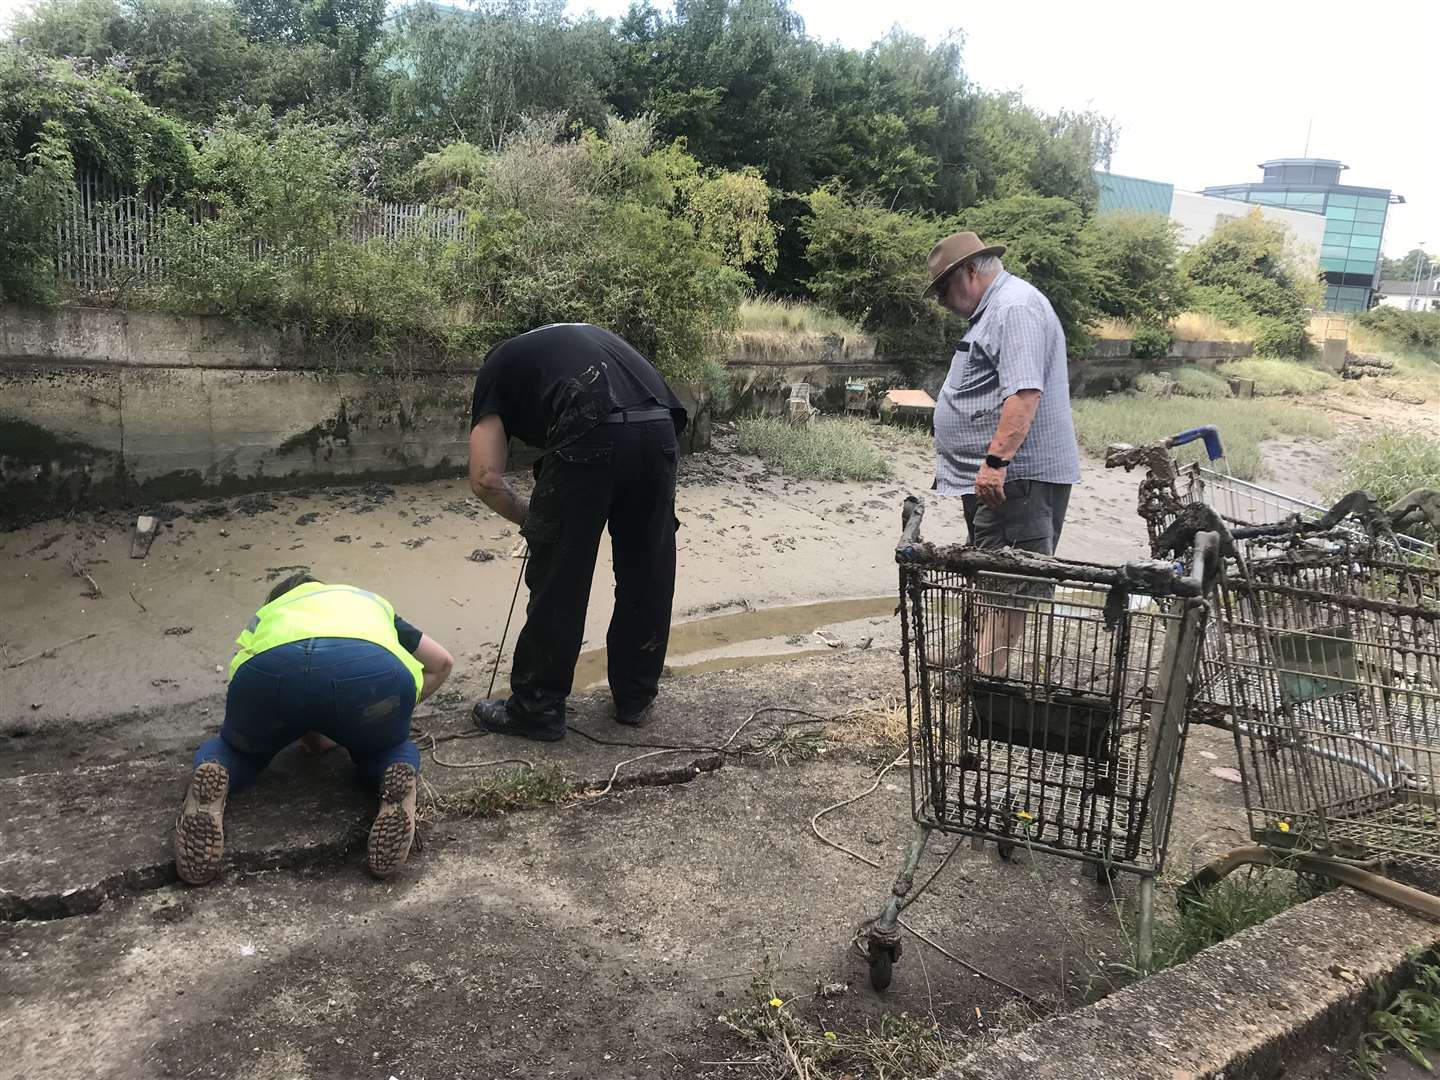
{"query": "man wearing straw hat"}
[(1004, 439)]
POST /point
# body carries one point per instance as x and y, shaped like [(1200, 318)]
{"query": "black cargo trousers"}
[(623, 474)]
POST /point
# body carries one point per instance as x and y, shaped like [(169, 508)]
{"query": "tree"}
[(185, 57), (472, 74), (1405, 267), (1134, 266), (869, 265), (33, 195), (1249, 272), (1016, 150), (103, 124), (1042, 240)]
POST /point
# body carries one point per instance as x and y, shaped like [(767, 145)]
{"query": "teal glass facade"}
[(1354, 222)]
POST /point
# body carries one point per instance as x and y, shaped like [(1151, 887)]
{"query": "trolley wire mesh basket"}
[(1046, 701)]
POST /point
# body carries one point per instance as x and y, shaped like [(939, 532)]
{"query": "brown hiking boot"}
[(394, 828), (200, 828)]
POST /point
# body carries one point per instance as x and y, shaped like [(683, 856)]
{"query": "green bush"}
[(821, 450), (1135, 266), (1042, 239), (1415, 330), (104, 125), (1281, 336), (32, 198), (1250, 272), (1152, 342), (1391, 465), (558, 232), (869, 266)]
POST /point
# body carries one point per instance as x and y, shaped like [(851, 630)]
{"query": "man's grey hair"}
[(986, 264)]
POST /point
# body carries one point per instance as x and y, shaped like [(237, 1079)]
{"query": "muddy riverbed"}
[(764, 562)]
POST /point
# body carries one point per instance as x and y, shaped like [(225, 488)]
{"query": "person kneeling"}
[(317, 660)]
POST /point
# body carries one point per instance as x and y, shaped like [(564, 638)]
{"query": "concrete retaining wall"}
[(113, 407), (103, 407)]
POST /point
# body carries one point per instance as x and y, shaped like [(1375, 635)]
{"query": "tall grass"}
[(1243, 424), (822, 450), (1280, 378), (1188, 326), (1234, 904), (1391, 464), (765, 313)]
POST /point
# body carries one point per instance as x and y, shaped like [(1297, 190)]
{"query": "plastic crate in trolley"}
[(1047, 703)]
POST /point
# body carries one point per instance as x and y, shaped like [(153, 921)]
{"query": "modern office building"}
[(1354, 221), (1197, 215)]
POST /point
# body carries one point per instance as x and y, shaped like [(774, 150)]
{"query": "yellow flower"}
[(1024, 815), (829, 1034), (776, 1002), (1283, 826)]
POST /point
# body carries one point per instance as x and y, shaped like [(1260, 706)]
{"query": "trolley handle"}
[(911, 514), (1214, 449)]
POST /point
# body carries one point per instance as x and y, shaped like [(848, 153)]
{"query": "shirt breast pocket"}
[(977, 371)]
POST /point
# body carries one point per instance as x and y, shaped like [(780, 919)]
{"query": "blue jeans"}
[(353, 691)]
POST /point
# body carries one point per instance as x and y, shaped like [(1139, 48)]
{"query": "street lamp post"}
[(1422, 263)]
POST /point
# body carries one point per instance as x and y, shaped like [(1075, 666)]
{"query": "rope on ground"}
[(435, 757), (815, 821)]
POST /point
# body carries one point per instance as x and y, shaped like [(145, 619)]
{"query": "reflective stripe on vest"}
[(317, 610)]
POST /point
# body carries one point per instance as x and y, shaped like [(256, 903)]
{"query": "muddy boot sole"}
[(200, 829), (394, 828)]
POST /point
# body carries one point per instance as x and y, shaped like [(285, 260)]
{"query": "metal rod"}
[(500, 649), (1145, 928)]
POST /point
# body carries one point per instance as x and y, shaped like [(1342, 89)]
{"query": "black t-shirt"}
[(409, 636), (553, 384)]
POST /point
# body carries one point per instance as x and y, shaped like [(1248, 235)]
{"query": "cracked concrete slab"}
[(71, 837), (69, 840)]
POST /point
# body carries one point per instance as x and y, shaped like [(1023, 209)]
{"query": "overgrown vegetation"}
[(1390, 465), (1411, 331), (300, 113), (822, 450), (1244, 424), (772, 314), (1250, 272), (1279, 378), (1240, 901), (1409, 1022), (615, 230)]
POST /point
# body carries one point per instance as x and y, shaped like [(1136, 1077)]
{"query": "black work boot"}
[(634, 717), (494, 714)]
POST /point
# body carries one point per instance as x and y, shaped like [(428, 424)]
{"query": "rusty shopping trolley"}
[(1329, 652), (1046, 702)]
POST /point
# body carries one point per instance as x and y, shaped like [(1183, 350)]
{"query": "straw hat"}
[(954, 250)]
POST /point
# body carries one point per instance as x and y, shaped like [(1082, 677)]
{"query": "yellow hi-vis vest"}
[(318, 610)]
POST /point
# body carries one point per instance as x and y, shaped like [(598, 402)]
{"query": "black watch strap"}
[(997, 462)]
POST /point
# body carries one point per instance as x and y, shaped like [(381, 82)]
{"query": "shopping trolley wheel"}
[(882, 961)]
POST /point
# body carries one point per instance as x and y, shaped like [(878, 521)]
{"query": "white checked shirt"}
[(1015, 342)]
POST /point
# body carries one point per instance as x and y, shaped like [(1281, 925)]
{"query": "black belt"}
[(636, 416)]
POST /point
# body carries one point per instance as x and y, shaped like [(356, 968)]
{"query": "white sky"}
[(1202, 92)]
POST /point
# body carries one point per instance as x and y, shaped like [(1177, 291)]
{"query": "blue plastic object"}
[(1210, 433)]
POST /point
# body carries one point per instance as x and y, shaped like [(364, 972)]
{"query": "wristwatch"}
[(997, 462)]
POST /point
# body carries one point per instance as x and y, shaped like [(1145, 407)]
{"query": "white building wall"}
[(1197, 216)]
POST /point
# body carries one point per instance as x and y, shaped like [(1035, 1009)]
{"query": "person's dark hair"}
[(294, 581)]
